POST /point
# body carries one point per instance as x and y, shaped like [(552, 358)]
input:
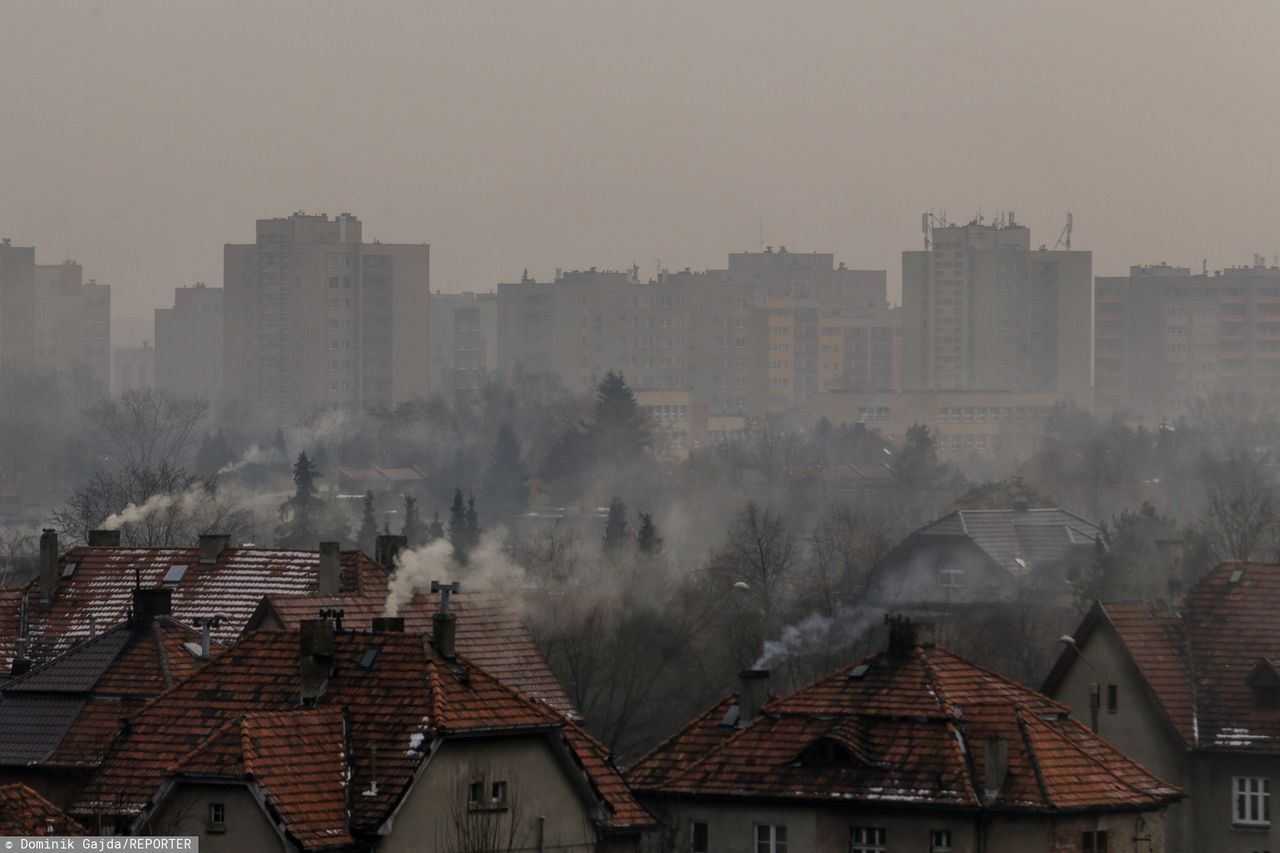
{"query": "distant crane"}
[(1064, 239)]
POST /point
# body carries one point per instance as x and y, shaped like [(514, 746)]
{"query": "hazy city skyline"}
[(573, 134)]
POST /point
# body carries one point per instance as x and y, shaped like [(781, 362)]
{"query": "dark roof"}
[(24, 812), (95, 589), (1197, 663), (1019, 540), (408, 696), (63, 712), (909, 734)]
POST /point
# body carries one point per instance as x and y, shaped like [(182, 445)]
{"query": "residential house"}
[(24, 812), (1193, 692), (327, 739), (913, 748)]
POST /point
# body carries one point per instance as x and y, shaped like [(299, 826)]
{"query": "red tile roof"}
[(99, 590), (403, 697), (24, 812), (910, 733), (1196, 663), (306, 787), (490, 632)]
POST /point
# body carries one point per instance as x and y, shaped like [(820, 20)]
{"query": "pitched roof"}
[(306, 787), (910, 733), (1197, 663), (24, 812), (63, 712), (95, 589), (490, 632), (10, 627), (1019, 540), (397, 693)]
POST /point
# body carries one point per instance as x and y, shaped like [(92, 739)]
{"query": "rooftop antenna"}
[(1064, 239)]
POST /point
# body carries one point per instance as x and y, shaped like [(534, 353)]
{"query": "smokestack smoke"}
[(255, 455), (818, 633), (488, 568)]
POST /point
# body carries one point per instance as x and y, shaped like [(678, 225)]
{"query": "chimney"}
[(905, 636), (20, 666), (388, 625), (48, 564), (1021, 503), (315, 658), (753, 691), (212, 545), (104, 538), (330, 568), (150, 603), (995, 766), (387, 547), (444, 628)]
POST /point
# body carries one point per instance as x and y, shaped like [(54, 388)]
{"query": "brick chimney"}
[(444, 630), (388, 625), (315, 658), (905, 636), (48, 564), (104, 538), (150, 603), (330, 568), (212, 545), (753, 692), (387, 547)]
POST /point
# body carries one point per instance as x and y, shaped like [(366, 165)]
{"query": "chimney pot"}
[(905, 636), (48, 564), (444, 629), (388, 625), (753, 692), (212, 545), (104, 538), (315, 658), (387, 548), (330, 568)]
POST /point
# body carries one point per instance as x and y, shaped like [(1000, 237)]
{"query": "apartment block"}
[(1165, 337), (133, 368), (982, 310), (188, 351), (315, 319), (464, 340), (17, 306), (701, 332)]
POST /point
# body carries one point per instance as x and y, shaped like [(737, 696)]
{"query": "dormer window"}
[(1264, 681), (826, 752)]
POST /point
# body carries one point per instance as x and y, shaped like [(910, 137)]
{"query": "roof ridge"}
[(1032, 758), (1019, 686)]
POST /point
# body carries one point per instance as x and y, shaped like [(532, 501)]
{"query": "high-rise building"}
[(188, 352), (464, 340), (52, 322), (1166, 337), (133, 368), (315, 319), (981, 310), (700, 332)]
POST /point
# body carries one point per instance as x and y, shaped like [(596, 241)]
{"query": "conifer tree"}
[(367, 538)]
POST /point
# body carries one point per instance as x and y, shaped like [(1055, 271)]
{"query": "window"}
[(771, 838), (475, 793), (950, 576), (1093, 842), (498, 794), (1113, 698), (217, 817), (867, 839), (940, 841), (1251, 805), (699, 838)]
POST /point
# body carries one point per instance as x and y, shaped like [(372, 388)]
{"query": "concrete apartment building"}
[(53, 322), (1165, 337), (188, 352), (694, 331), (981, 310), (829, 326), (133, 368), (464, 340), (316, 319)]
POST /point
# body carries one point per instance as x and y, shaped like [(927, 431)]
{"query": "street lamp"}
[(1095, 697)]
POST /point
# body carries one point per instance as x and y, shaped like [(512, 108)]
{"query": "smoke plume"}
[(188, 502), (255, 455), (819, 633), (488, 568)]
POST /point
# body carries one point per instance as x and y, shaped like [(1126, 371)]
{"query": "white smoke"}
[(188, 502), (255, 455), (488, 568), (819, 633)]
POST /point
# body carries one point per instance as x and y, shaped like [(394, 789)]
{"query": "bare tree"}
[(147, 429), (755, 564), (478, 818), (1241, 523)]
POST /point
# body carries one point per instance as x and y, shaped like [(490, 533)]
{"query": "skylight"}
[(69, 569), (370, 656), (859, 671), (175, 574)]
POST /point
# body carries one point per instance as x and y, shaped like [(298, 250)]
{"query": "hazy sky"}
[(140, 136)]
